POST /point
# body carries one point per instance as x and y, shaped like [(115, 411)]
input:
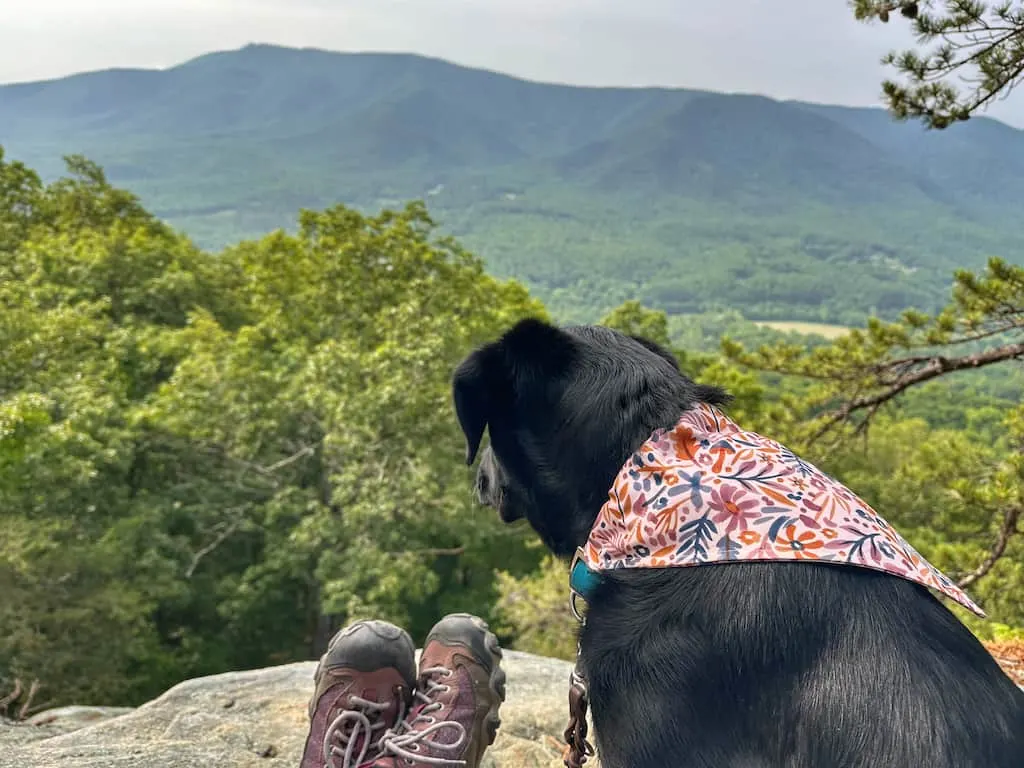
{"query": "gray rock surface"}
[(258, 718), (72, 718)]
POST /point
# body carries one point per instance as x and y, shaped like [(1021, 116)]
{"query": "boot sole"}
[(484, 646)]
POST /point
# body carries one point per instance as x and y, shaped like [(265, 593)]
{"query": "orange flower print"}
[(749, 537), (829, 533), (803, 544)]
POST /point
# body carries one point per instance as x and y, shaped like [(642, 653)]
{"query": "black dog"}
[(745, 665)]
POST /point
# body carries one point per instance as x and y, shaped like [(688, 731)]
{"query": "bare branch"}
[(32, 691), (221, 537), (10, 698), (450, 552), (1006, 531), (306, 450), (936, 366), (981, 335)]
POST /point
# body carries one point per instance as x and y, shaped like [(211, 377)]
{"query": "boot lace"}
[(405, 739), (342, 746)]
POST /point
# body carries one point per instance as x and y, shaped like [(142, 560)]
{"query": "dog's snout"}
[(486, 482), (490, 484), (492, 487)]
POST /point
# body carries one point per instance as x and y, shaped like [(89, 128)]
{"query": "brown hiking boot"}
[(364, 684), (455, 709)]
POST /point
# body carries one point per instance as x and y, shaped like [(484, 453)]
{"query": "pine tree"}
[(977, 43)]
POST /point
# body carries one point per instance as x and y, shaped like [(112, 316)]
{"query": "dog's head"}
[(564, 408)]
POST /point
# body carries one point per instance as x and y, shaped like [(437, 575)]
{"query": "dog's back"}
[(792, 664)]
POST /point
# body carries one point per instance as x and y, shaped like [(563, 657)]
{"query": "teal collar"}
[(583, 580)]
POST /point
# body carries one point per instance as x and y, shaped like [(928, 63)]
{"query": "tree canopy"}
[(210, 461)]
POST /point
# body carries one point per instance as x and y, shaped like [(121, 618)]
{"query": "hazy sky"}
[(805, 49)]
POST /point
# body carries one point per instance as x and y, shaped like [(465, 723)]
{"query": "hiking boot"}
[(364, 684), (460, 688)]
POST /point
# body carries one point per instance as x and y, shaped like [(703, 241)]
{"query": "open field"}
[(820, 329)]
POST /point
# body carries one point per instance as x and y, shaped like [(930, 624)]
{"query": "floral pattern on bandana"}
[(707, 491)]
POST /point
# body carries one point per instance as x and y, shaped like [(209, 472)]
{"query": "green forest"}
[(212, 460)]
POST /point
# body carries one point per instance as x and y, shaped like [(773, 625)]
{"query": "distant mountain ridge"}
[(558, 185)]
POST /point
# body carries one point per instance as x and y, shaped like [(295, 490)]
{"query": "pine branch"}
[(980, 44)]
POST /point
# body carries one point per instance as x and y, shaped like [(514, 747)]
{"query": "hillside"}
[(688, 200)]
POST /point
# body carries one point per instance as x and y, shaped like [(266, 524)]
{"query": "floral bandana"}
[(707, 491)]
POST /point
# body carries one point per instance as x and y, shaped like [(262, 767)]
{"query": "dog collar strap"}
[(582, 582), (707, 491)]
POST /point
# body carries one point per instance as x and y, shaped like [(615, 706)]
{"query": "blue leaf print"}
[(856, 545), (695, 537), (780, 522), (803, 467), (762, 476), (728, 549)]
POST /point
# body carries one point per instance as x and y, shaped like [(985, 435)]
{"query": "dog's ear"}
[(473, 404), (486, 384)]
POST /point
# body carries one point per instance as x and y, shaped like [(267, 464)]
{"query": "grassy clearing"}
[(820, 329)]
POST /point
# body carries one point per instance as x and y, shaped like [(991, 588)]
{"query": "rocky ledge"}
[(258, 719)]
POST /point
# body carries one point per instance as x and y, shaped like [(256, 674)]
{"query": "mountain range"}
[(689, 200)]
